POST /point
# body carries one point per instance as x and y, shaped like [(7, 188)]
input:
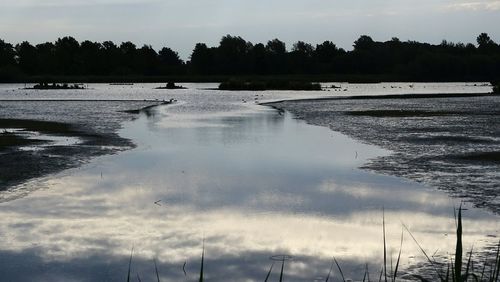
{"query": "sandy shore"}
[(451, 142)]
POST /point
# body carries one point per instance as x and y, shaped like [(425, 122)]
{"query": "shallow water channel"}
[(244, 183)]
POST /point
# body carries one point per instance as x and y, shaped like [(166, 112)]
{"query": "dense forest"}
[(394, 59)]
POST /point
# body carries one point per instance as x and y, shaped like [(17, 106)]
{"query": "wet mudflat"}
[(449, 143), (249, 181), (42, 137)]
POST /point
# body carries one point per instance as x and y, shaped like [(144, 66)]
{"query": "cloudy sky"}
[(180, 24)]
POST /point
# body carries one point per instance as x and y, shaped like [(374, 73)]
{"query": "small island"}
[(237, 85), (171, 85), (56, 86)]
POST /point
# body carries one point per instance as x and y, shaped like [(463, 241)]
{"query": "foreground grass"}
[(455, 270)]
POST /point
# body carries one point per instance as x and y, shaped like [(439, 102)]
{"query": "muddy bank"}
[(42, 137), (452, 143)]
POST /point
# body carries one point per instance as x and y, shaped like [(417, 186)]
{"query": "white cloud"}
[(70, 3), (475, 6)]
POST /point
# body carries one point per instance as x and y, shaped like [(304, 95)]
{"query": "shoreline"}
[(26, 158), (447, 142), (388, 96), (217, 78)]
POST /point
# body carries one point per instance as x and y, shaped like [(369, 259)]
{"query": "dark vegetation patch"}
[(9, 140), (56, 86), (370, 60), (400, 113), (446, 139), (48, 127), (238, 85), (496, 87), (171, 85), (481, 157)]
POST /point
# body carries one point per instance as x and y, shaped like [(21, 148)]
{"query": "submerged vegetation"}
[(269, 85), (369, 60)]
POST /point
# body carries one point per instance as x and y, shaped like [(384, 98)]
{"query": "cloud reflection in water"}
[(261, 184)]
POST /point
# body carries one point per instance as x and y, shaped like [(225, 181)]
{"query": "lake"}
[(245, 183)]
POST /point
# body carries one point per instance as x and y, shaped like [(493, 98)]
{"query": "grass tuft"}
[(156, 270), (202, 261), (130, 264), (269, 273)]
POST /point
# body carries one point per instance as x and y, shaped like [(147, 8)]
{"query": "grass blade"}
[(139, 278), (202, 260), (329, 272), (156, 270), (367, 274), (496, 267), (385, 247), (340, 269), (399, 257), (130, 264), (468, 266), (447, 273), (452, 272), (269, 273), (433, 264), (458, 248), (282, 268)]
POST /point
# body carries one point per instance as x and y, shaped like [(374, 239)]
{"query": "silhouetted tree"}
[(484, 40), (66, 52), (235, 56), (111, 57), (7, 54), (202, 59), (277, 60), (46, 58), (363, 43), (170, 62), (301, 57), (258, 58), (147, 61), (232, 55), (276, 46), (27, 57), (91, 55)]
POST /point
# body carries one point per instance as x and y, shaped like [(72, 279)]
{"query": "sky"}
[(180, 24)]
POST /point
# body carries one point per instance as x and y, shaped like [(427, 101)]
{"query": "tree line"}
[(235, 56)]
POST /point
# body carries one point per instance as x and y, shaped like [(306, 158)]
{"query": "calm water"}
[(246, 180)]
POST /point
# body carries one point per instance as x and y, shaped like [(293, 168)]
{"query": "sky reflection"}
[(252, 184)]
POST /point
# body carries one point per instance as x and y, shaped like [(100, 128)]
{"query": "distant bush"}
[(496, 87), (238, 85), (48, 86)]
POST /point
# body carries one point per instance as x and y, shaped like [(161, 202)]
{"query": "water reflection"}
[(252, 184)]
